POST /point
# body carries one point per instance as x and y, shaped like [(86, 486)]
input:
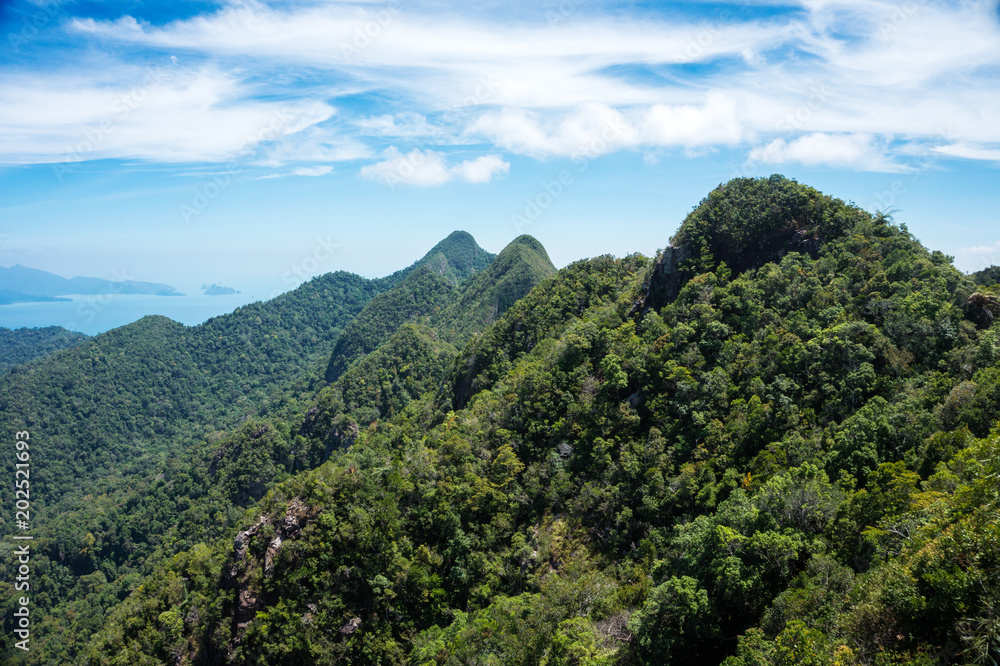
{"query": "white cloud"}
[(857, 151), (159, 115), (969, 152), (481, 170), (982, 249), (807, 85), (300, 171), (714, 122), (427, 168), (312, 171), (316, 143), (591, 130), (418, 167)]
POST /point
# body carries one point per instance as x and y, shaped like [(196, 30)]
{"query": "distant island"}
[(218, 290), (20, 284), (7, 297)]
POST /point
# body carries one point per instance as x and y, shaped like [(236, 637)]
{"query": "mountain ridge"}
[(782, 456)]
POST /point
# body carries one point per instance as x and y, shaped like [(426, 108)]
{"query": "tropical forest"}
[(775, 442)]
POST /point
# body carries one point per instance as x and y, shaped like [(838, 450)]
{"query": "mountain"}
[(456, 258), (25, 344), (414, 299), (453, 272), (774, 443), (518, 268), (412, 353), (159, 400), (24, 282)]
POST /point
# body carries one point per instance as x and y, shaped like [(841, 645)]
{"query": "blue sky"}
[(256, 144)]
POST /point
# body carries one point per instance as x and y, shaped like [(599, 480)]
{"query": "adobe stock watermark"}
[(899, 16), (814, 99), (31, 25), (484, 89), (885, 199), (562, 13), (367, 34), (406, 165), (709, 31), (309, 265), (552, 190), (95, 135), (210, 189), (94, 304)]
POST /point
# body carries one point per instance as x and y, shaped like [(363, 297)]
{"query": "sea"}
[(93, 314)]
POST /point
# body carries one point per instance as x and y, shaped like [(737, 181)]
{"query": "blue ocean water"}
[(96, 314)]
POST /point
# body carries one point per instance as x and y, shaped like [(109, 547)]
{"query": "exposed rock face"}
[(248, 597), (351, 626), (665, 282)]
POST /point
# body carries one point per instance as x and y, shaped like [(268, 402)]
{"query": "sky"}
[(256, 144)]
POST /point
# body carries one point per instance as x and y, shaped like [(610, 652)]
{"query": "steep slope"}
[(426, 295), (784, 455), (21, 345), (518, 268), (123, 428), (416, 354), (415, 299), (154, 384), (412, 362), (456, 258), (138, 417)]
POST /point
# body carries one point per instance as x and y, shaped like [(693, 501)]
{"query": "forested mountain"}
[(136, 440), (456, 258), (483, 299), (21, 345), (774, 443), (429, 296)]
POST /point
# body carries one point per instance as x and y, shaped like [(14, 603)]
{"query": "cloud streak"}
[(895, 79)]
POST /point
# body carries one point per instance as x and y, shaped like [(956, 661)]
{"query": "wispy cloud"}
[(849, 84), (155, 114), (300, 171), (970, 152)]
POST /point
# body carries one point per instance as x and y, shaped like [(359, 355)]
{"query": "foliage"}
[(21, 345), (789, 461)]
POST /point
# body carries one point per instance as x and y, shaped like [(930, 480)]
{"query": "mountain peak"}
[(746, 223), (533, 243), (457, 257)]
